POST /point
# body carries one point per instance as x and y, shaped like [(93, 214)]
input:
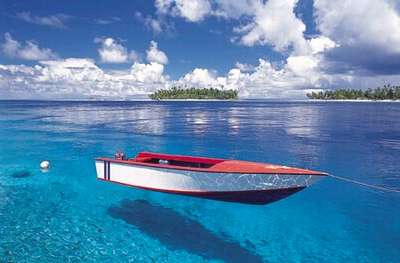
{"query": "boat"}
[(211, 178)]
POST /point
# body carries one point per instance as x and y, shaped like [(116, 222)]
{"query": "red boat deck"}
[(213, 165)]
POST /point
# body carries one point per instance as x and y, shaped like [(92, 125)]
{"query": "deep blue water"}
[(66, 215)]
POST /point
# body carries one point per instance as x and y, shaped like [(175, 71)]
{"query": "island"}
[(180, 93), (388, 92)]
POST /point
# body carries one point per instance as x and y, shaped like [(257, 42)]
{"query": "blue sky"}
[(269, 49)]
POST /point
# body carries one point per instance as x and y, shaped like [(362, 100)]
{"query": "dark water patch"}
[(179, 232), (21, 174)]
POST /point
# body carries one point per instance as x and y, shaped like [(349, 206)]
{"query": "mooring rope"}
[(382, 188)]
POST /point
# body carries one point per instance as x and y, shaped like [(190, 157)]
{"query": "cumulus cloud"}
[(191, 10), (321, 44), (268, 23), (268, 81), (368, 32), (57, 21), (294, 79), (199, 78), (79, 78), (82, 78), (148, 73), (353, 22), (111, 51), (274, 23), (244, 67), (156, 55), (28, 51)]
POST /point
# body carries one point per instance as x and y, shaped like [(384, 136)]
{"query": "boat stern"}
[(102, 168)]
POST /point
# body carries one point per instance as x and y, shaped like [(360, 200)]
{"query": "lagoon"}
[(66, 215)]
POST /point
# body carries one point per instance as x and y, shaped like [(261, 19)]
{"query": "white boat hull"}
[(236, 187)]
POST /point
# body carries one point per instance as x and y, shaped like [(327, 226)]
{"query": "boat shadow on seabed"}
[(179, 232)]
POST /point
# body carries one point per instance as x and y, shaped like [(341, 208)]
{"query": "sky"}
[(280, 49)]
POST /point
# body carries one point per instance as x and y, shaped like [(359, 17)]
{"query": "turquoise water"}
[(66, 215)]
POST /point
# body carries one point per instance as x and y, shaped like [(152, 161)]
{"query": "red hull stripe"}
[(247, 196)]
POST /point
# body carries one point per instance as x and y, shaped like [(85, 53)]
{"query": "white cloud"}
[(244, 67), (113, 52), (302, 65), (274, 23), (320, 44), (82, 78), (148, 73), (79, 78), (198, 78), (368, 32), (268, 81), (297, 75), (30, 51), (156, 55), (191, 10), (57, 21), (354, 22), (348, 29), (156, 25)]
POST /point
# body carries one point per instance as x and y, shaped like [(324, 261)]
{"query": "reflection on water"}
[(179, 232), (303, 122), (162, 118)]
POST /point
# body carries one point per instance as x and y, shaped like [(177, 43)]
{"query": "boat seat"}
[(142, 159)]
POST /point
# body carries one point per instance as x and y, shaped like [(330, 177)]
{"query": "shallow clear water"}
[(66, 215)]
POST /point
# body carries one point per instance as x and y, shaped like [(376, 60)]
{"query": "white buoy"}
[(45, 165)]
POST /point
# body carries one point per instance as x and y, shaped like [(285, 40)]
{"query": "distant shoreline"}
[(193, 93), (386, 93), (351, 100), (196, 99)]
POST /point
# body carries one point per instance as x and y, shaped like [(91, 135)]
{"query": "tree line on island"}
[(194, 93), (388, 92)]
